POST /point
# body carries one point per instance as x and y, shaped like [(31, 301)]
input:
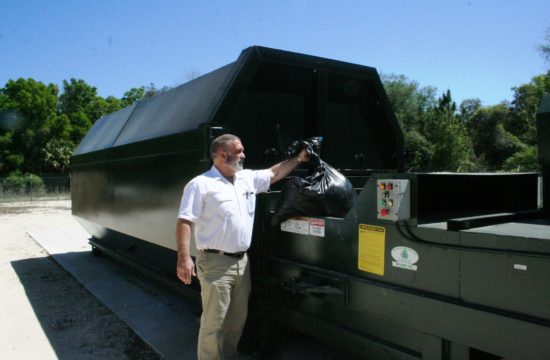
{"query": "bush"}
[(17, 184), (523, 160)]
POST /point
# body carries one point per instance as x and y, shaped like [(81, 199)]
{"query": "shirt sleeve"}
[(191, 202), (262, 180)]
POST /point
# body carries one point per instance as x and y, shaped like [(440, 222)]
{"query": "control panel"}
[(393, 199)]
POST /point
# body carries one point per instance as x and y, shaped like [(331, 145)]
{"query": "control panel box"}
[(393, 199)]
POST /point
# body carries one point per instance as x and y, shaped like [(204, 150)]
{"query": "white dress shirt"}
[(222, 213)]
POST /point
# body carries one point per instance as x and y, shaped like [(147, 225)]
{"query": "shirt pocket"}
[(251, 203)]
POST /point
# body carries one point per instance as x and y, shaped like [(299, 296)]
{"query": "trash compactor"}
[(423, 266)]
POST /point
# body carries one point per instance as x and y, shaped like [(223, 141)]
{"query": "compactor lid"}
[(175, 111), (270, 98), (280, 96)]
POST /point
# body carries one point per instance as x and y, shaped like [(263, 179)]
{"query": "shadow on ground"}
[(76, 324), (79, 325)]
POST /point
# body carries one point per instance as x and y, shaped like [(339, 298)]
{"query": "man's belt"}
[(214, 251)]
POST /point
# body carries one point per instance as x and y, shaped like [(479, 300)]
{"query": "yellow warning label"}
[(372, 245)]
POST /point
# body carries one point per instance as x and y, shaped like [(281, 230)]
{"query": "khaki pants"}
[(225, 288)]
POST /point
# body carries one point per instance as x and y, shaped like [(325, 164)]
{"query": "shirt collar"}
[(219, 175)]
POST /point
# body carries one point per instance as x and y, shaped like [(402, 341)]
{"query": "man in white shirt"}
[(220, 204)]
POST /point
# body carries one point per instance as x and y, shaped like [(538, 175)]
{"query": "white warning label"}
[(304, 226), (296, 225)]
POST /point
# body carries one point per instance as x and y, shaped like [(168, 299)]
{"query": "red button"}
[(384, 212), (390, 186)]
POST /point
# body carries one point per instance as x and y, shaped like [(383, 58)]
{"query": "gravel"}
[(45, 313)]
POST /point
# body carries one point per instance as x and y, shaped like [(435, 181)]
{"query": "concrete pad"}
[(164, 319)]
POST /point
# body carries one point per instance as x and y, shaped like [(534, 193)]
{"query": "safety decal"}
[(372, 245), (317, 227), (404, 258), (304, 226), (296, 225)]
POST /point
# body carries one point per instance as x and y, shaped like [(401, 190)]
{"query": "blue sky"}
[(475, 48)]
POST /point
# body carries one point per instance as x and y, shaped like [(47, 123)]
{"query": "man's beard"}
[(237, 164)]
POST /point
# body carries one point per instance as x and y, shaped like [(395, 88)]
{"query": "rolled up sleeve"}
[(191, 202)]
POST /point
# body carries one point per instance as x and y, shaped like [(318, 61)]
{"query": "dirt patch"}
[(44, 310)]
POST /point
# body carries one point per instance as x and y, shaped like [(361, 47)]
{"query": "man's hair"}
[(221, 142)]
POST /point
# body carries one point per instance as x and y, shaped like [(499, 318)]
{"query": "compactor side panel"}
[(129, 171), (421, 290), (136, 196), (131, 182)]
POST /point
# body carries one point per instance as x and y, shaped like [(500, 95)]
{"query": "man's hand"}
[(186, 270), (303, 156), (297, 147)]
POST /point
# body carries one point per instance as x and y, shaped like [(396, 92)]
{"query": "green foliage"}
[(141, 93), (80, 103), (79, 97), (524, 160), (110, 104), (452, 145), (133, 95), (17, 183), (57, 155), (491, 140), (39, 130), (33, 105), (439, 137), (408, 100), (527, 98), (436, 138), (418, 149)]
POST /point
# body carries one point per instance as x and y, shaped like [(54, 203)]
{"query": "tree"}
[(407, 99), (57, 155), (78, 96), (436, 138), (467, 109), (133, 95), (110, 104), (409, 103), (9, 159), (492, 142), (81, 104), (452, 147), (523, 160), (418, 149), (526, 101), (33, 105), (141, 93), (544, 49)]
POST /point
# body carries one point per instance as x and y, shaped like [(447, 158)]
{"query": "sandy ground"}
[(44, 312)]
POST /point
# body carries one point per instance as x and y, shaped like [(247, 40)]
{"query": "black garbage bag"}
[(313, 147), (334, 188), (324, 192)]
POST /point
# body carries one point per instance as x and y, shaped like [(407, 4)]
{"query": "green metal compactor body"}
[(428, 266)]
